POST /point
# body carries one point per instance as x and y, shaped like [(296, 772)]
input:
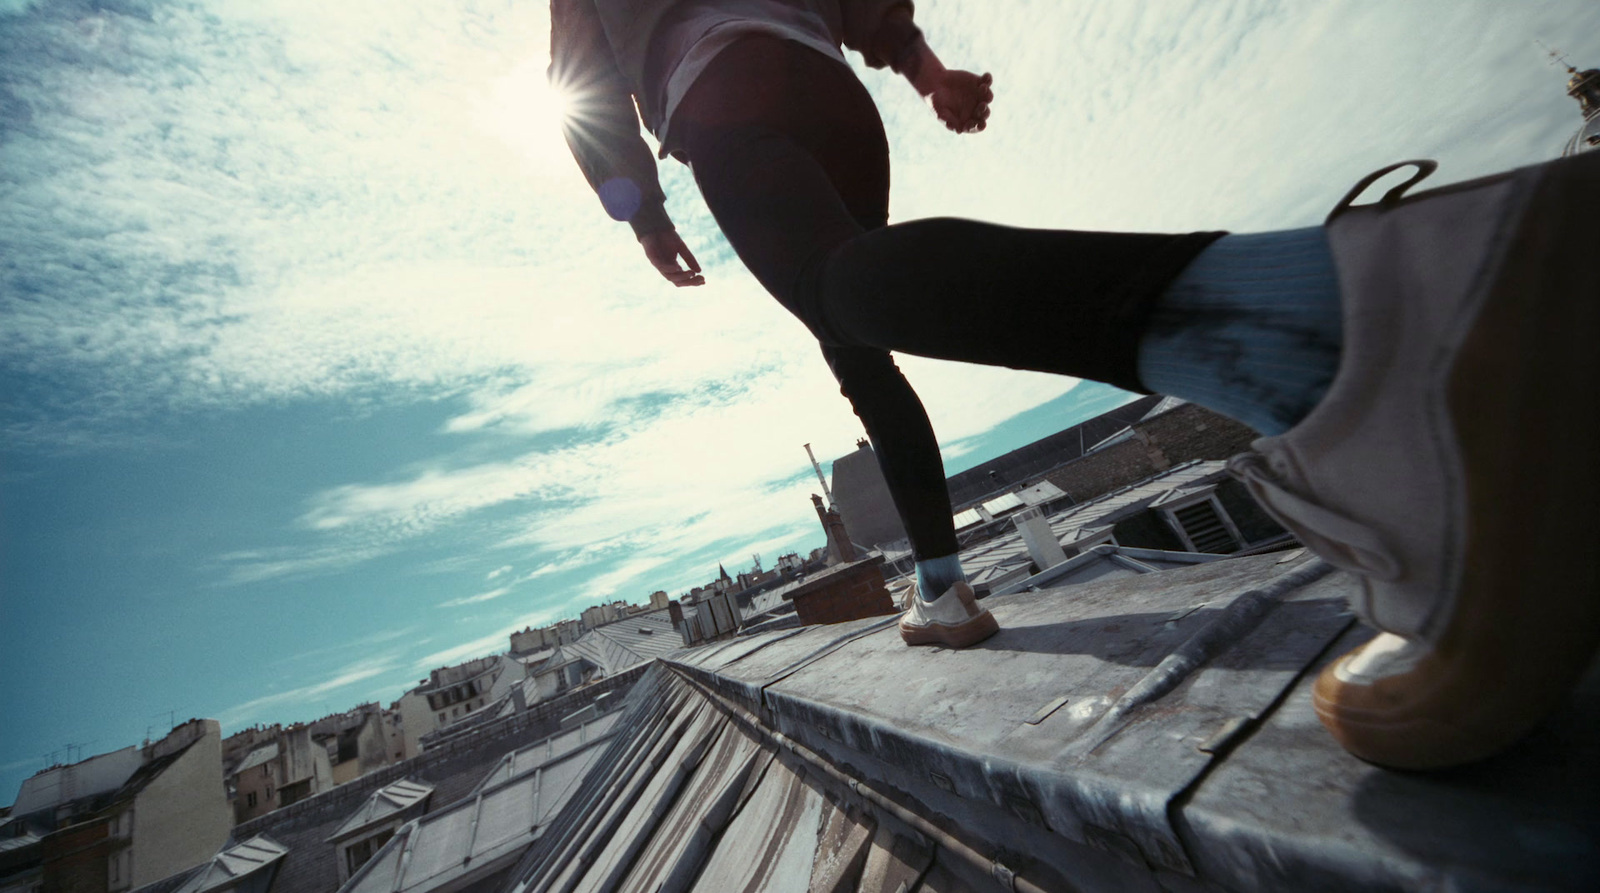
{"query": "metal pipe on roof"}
[(823, 480), (873, 799)]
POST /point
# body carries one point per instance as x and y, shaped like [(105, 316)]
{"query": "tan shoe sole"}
[(960, 636), (1527, 622)]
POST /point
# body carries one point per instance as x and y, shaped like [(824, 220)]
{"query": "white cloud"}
[(305, 695), (271, 201), (491, 595), (263, 565)]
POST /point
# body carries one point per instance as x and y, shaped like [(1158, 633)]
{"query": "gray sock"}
[(1251, 329), (935, 575)]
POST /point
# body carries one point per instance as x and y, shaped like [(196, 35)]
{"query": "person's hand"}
[(961, 99), (663, 249)]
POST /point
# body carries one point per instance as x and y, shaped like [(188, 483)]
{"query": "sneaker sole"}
[(1527, 620), (960, 636)]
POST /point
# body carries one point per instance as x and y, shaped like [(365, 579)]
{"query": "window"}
[(363, 850), (441, 717), (250, 799), (269, 792)]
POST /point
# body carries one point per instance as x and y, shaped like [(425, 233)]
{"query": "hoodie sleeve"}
[(602, 124), (881, 39)]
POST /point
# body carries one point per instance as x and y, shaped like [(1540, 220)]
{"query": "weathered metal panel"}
[(1289, 810), (682, 839), (842, 850), (895, 863), (1150, 673), (633, 828), (769, 847)]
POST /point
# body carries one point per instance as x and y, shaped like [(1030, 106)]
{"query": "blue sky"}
[(320, 366)]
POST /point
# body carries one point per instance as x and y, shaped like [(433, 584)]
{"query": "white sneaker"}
[(1453, 463), (954, 619)]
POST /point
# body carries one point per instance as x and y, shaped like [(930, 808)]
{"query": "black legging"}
[(790, 154)]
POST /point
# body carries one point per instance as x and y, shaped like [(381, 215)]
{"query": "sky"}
[(321, 367)]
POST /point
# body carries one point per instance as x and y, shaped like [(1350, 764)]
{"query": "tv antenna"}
[(1556, 56)]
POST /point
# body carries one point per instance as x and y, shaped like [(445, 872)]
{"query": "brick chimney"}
[(840, 549), (848, 591)]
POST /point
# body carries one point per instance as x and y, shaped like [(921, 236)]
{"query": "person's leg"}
[(768, 129), (908, 454), (1250, 329), (829, 185)]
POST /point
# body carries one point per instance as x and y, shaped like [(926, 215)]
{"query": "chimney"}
[(840, 549)]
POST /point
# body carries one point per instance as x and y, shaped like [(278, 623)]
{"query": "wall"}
[(181, 818), (257, 780), (299, 754), (76, 858), (416, 720), (1172, 438), (862, 497), (373, 744), (95, 775), (1037, 458)]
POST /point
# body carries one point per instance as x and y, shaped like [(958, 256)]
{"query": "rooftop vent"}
[(1205, 529)]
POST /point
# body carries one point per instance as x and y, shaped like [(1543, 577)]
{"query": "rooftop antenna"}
[(825, 491), (1557, 57)]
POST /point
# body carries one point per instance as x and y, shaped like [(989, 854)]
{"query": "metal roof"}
[(528, 759), (626, 643), (385, 803), (99, 774), (485, 831), (1005, 558), (227, 867), (1005, 502), (264, 754), (25, 839), (1139, 733)]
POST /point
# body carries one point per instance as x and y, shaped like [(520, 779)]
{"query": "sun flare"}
[(524, 110)]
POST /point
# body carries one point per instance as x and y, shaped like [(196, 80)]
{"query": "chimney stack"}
[(840, 549)]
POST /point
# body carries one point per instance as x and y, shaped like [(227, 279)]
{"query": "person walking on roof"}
[(1344, 344)]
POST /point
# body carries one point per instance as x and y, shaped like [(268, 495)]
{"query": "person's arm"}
[(887, 37), (602, 130)]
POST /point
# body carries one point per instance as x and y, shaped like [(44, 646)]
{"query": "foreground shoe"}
[(1452, 464), (954, 619)]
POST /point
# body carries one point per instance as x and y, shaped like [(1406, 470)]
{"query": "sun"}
[(525, 111)]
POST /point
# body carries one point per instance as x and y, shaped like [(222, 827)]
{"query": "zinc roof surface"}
[(234, 862), (384, 803), (1000, 557), (627, 643), (1140, 733), (483, 832), (26, 839), (264, 754)]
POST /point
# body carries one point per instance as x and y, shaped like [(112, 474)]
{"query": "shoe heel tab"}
[(1424, 166)]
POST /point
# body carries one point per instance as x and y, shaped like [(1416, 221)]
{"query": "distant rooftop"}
[(485, 832), (259, 854), (383, 804)]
